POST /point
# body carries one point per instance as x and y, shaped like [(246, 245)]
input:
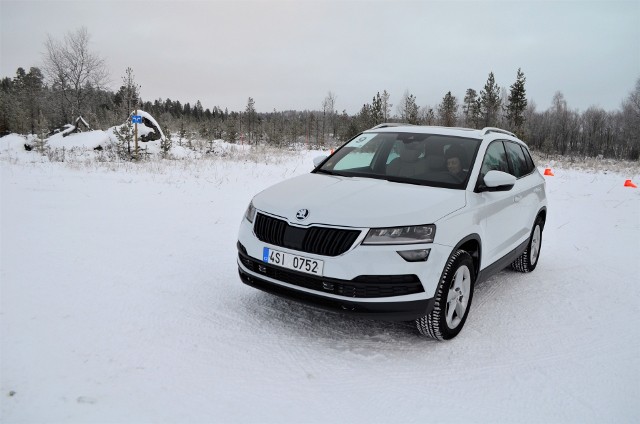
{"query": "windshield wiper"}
[(324, 171)]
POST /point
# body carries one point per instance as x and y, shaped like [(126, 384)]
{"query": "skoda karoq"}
[(399, 224)]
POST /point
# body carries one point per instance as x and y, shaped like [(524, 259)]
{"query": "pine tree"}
[(182, 134), (490, 102), (124, 134), (365, 120), (43, 130), (377, 112), (251, 117), (517, 104), (128, 97), (231, 133), (427, 116), (448, 110), (471, 108), (166, 142), (408, 109), (32, 86)]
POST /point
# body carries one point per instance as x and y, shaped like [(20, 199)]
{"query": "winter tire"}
[(452, 300), (529, 259)]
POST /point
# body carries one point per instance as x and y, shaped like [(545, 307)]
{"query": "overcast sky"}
[(290, 54)]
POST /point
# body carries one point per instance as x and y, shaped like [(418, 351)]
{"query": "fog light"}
[(419, 255)]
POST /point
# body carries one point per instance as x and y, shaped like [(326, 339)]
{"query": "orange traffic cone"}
[(548, 172), (630, 183)]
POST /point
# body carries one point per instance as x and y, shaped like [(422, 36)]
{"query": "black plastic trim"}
[(362, 286), (503, 262), (477, 258), (386, 311)]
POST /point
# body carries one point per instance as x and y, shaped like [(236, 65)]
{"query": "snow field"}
[(120, 302)]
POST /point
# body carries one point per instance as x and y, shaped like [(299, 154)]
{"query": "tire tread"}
[(429, 325)]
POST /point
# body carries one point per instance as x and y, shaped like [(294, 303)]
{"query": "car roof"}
[(427, 129)]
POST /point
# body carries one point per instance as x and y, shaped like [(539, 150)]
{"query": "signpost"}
[(136, 119)]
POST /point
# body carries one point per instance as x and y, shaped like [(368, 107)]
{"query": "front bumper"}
[(388, 311), (368, 281)]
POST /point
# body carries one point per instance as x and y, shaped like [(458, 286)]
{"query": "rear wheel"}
[(452, 300), (529, 259)]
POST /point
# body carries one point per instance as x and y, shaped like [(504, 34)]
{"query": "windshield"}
[(415, 158)]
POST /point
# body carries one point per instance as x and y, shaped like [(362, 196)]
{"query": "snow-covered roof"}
[(151, 119), (81, 119)]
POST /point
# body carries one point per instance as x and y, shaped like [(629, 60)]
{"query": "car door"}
[(528, 185), (497, 210)]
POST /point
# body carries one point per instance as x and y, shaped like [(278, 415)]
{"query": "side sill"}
[(503, 262)]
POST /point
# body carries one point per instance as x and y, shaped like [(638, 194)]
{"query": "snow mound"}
[(88, 140)]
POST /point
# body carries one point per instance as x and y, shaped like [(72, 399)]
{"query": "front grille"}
[(316, 240), (363, 286)]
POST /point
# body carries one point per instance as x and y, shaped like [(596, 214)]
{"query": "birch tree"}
[(73, 70), (386, 106)]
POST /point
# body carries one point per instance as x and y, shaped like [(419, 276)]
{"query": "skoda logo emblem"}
[(302, 214)]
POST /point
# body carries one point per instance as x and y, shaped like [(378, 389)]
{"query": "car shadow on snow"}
[(287, 316)]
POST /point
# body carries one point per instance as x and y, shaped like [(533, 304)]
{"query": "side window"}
[(516, 159), (495, 159), (529, 159)]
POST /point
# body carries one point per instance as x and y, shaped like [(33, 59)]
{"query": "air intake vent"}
[(318, 240)]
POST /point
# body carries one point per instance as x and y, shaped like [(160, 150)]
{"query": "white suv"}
[(399, 224)]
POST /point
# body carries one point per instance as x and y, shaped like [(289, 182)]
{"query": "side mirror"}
[(318, 160), (498, 181)]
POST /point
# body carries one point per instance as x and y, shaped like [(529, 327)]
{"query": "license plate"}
[(295, 262)]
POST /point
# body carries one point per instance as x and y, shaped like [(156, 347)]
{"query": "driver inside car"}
[(454, 155)]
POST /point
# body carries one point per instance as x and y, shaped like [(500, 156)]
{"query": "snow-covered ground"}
[(120, 302)]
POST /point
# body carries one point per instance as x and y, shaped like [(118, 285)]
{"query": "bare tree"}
[(386, 106), (73, 71), (328, 108), (630, 118)]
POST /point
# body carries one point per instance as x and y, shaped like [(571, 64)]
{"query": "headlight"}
[(401, 235), (250, 214)]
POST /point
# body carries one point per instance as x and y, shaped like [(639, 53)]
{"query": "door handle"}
[(516, 199)]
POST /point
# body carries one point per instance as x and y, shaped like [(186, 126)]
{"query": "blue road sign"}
[(136, 119)]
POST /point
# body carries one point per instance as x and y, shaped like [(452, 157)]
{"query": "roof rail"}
[(487, 130), (389, 124)]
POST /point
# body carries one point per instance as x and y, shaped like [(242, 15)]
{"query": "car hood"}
[(357, 202)]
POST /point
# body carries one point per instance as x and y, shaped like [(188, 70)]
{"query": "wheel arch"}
[(542, 213), (472, 244)]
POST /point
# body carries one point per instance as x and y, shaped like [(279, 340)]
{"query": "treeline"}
[(71, 83)]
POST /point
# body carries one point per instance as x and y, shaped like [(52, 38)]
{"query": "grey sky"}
[(290, 54)]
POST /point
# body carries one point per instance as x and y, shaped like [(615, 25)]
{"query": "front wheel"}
[(529, 259), (452, 299)]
